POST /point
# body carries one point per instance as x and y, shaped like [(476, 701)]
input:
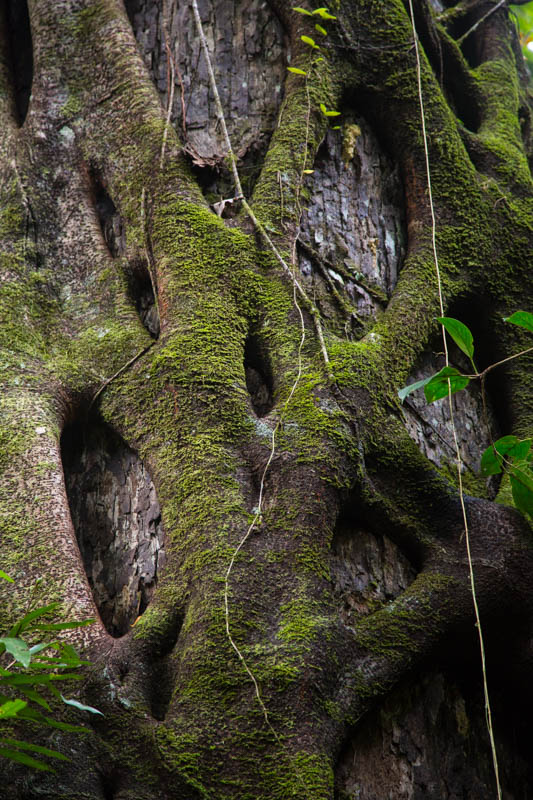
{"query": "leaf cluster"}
[(30, 677), (324, 14), (508, 454), (513, 456)]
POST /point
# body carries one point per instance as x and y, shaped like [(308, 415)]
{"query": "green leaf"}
[(509, 448), (23, 758), (297, 71), (35, 748), (321, 30), (323, 13), (407, 390), (64, 726), (36, 716), (14, 680), (522, 318), (491, 461), (300, 10), (460, 334), (18, 649), (309, 41), (328, 113), (11, 708), (522, 489), (6, 577), (34, 696), (38, 648), (448, 380), (24, 623), (81, 706), (521, 450)]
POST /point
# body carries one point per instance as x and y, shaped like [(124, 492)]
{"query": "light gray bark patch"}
[(117, 519), (246, 44), (353, 229)]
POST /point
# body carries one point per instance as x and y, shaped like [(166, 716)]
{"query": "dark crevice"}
[(456, 82), (162, 687), (139, 282), (216, 181), (524, 117), (162, 671), (259, 379), (110, 785), (476, 45), (20, 54), (117, 520), (141, 293), (110, 220)]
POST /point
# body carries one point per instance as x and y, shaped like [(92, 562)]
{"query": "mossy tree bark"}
[(151, 345)]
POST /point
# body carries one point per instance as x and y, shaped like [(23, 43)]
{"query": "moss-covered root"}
[(34, 514)]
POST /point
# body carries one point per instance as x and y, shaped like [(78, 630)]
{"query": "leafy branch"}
[(29, 679), (509, 454), (323, 14)]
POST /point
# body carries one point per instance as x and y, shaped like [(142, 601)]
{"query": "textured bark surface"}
[(117, 519), (153, 348)]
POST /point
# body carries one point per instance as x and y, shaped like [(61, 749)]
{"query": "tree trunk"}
[(201, 440)]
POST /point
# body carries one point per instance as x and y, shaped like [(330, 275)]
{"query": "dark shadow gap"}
[(258, 373), (472, 45), (110, 785), (141, 293), (456, 83), (117, 520), (162, 678), (110, 220), (139, 282), (20, 54)]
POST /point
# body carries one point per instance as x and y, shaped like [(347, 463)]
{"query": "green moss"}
[(473, 484), (180, 752), (500, 129), (276, 200), (302, 775), (73, 106), (398, 628), (301, 620)]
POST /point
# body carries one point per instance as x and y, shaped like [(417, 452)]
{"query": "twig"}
[(503, 361), (147, 255), (238, 187), (480, 21), (119, 372), (488, 713), (170, 89)]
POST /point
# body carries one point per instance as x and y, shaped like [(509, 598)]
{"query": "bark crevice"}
[(117, 519), (139, 282), (21, 54), (259, 378)]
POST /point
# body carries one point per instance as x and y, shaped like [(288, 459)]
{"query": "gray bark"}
[(151, 347)]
